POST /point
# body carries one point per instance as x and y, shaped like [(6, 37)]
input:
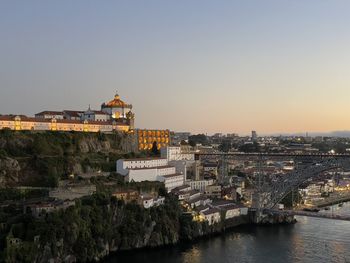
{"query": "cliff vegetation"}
[(42, 159)]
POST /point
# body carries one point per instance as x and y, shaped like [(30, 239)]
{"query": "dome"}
[(117, 103)]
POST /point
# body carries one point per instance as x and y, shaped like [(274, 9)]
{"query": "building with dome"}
[(114, 116), (116, 108)]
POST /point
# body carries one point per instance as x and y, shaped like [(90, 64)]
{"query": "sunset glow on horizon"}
[(197, 66)]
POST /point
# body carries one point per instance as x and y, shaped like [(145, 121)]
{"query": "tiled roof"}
[(199, 198), (116, 103), (155, 167), (180, 188), (100, 112), (211, 211), (73, 113), (202, 208), (144, 159), (50, 113), (11, 117), (229, 207), (171, 175)]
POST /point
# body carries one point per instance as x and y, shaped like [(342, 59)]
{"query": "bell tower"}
[(130, 116)]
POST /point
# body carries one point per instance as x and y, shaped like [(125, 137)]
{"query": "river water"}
[(309, 240)]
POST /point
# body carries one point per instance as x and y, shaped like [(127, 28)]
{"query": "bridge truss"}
[(271, 189)]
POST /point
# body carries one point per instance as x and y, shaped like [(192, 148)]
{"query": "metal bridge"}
[(203, 155), (309, 214), (270, 190)]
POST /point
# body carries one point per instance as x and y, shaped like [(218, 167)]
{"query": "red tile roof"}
[(50, 113), (100, 112), (73, 113)]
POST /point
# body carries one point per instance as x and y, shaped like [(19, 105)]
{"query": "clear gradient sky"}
[(200, 66)]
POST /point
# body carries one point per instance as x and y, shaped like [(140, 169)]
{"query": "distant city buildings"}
[(254, 136), (179, 137)]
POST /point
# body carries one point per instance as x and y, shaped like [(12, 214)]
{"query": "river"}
[(309, 240)]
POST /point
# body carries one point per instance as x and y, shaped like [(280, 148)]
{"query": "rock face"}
[(9, 171), (36, 159), (93, 145), (116, 142)]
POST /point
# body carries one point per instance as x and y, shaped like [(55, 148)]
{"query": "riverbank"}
[(334, 201), (310, 240), (209, 232), (101, 225)]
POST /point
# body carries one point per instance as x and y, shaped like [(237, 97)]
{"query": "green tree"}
[(155, 150), (198, 139), (225, 146), (250, 147)]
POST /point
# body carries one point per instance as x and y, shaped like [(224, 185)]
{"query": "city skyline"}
[(274, 67)]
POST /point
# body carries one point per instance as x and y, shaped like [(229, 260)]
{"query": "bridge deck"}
[(310, 214), (320, 155)]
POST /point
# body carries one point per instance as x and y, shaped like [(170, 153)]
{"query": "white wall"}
[(173, 153), (244, 210), (142, 175), (172, 182), (232, 213), (181, 167), (200, 185), (124, 165), (213, 218)]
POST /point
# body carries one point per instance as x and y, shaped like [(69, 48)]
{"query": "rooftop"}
[(50, 113), (73, 113), (230, 207), (171, 175), (199, 198), (181, 188), (116, 103), (143, 159), (155, 167), (222, 202), (201, 208), (211, 211)]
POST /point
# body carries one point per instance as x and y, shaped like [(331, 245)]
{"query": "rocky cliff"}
[(41, 159), (100, 225), (95, 227), (9, 171)]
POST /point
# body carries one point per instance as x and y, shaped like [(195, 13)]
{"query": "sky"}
[(203, 66)]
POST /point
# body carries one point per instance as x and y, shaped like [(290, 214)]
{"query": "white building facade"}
[(200, 185), (174, 153), (183, 160), (150, 169)]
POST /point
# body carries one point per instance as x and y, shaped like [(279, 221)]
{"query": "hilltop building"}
[(116, 108), (114, 115)]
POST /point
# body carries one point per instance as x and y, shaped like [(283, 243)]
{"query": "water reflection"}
[(310, 240), (192, 256)]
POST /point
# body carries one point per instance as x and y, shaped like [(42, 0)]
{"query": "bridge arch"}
[(271, 193)]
